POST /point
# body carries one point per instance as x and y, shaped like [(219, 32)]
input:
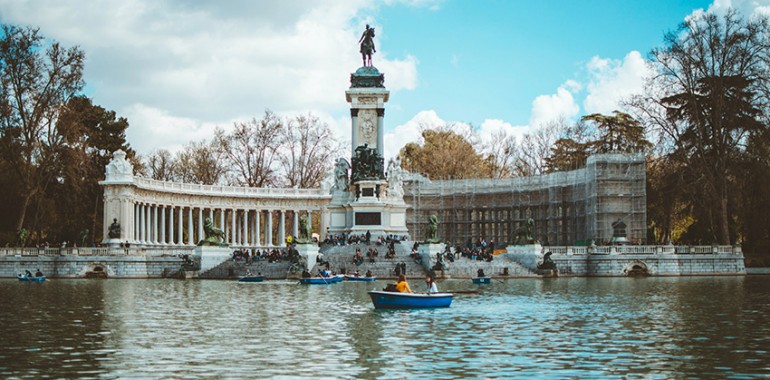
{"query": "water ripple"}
[(529, 328)]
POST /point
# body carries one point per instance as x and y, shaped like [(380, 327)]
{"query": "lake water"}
[(708, 327)]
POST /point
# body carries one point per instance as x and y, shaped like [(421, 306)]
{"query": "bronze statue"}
[(367, 45), (214, 236), (523, 234), (431, 233), (305, 234), (547, 263), (114, 230)]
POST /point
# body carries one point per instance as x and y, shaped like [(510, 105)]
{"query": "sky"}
[(179, 69)]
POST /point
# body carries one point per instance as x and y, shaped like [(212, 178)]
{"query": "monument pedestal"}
[(212, 256), (114, 243), (527, 255), (429, 254), (309, 254)]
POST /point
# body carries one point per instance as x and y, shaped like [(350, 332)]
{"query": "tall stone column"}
[(142, 222), (162, 224), (233, 227), (155, 224), (310, 221), (211, 215), (137, 219), (222, 220), (354, 121), (190, 232), (295, 228), (171, 225), (269, 229), (282, 228), (381, 131), (180, 226), (200, 224), (324, 233), (246, 227), (256, 228)]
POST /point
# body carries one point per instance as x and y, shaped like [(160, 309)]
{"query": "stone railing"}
[(219, 190), (100, 251), (645, 250)]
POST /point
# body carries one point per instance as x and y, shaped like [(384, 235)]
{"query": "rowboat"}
[(359, 278), (31, 278), (251, 279), (396, 300), (482, 280), (320, 280)]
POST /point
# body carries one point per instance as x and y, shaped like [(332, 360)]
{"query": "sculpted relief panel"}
[(367, 127)]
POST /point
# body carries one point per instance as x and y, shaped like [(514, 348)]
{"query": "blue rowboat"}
[(359, 278), (320, 280), (31, 279), (482, 280), (251, 279), (395, 300)]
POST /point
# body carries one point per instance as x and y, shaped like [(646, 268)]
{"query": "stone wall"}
[(80, 266)]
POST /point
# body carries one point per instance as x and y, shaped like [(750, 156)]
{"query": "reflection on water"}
[(565, 327)]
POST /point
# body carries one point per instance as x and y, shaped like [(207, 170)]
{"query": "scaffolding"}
[(569, 208)]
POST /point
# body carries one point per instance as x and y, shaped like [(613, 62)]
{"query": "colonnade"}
[(157, 224)]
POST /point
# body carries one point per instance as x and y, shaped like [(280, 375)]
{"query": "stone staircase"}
[(340, 258)]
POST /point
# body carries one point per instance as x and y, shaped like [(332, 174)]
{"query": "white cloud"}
[(612, 81), (746, 7), (199, 64), (490, 127), (411, 131), (562, 104)]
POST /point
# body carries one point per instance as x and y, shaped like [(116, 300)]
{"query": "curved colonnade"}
[(161, 213)]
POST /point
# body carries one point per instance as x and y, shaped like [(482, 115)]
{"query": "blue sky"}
[(179, 69), (481, 60)]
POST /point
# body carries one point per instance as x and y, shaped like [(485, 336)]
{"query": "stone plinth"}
[(212, 256), (429, 253), (114, 243), (527, 255), (309, 254)]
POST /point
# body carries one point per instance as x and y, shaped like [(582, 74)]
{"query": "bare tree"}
[(200, 162), (160, 165), (34, 83), (307, 151), (251, 150)]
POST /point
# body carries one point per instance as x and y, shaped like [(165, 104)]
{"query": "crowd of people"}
[(347, 239), (248, 256)]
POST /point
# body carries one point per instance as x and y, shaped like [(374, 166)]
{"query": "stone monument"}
[(364, 197), (118, 197), (431, 249)]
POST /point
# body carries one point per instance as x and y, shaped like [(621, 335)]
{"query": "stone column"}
[(246, 239), (190, 231), (162, 224), (354, 137), (269, 230), (256, 228), (211, 215), (282, 228), (137, 218), (310, 221), (180, 226), (295, 228), (201, 234), (171, 225), (142, 222), (381, 131), (155, 225), (222, 221), (323, 234), (233, 227)]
